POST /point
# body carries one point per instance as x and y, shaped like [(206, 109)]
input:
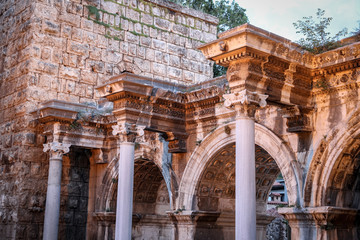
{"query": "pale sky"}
[(277, 16)]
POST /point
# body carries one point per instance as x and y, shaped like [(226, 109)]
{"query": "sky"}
[(277, 16)]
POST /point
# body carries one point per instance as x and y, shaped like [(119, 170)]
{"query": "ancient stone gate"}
[(112, 126)]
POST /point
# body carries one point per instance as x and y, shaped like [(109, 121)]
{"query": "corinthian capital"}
[(245, 102), (245, 97), (128, 132), (56, 149)]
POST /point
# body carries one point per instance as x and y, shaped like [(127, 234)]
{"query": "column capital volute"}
[(56, 149), (128, 132), (245, 102)]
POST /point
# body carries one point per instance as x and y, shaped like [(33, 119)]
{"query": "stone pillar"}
[(127, 135), (245, 103), (52, 208)]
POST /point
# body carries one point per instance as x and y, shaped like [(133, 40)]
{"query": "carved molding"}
[(298, 119), (56, 149), (177, 142)]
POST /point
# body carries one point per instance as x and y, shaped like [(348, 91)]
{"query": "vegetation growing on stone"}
[(316, 37)]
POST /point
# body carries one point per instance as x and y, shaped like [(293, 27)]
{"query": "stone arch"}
[(335, 165), (220, 138), (147, 167), (215, 189)]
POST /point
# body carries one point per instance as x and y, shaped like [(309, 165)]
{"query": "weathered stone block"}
[(196, 34), (141, 51), (132, 49), (113, 45), (88, 77), (133, 15), (65, 30), (45, 11), (147, 19), (146, 30), (69, 73), (159, 69), (158, 56), (124, 47), (111, 56), (78, 48), (156, 11), (110, 7), (208, 37), (176, 50), (95, 66), (45, 67), (130, 37), (174, 61), (77, 34), (143, 65), (124, 24), (174, 72), (138, 28), (150, 54), (51, 27), (71, 19), (102, 41), (188, 76), (159, 45), (145, 41), (180, 29), (87, 24), (162, 24), (89, 37)]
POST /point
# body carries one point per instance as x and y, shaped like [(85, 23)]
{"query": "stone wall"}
[(62, 50)]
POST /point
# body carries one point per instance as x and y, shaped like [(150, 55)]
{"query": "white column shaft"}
[(52, 208), (125, 192), (245, 217)]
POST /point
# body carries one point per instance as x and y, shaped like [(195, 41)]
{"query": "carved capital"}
[(128, 132), (245, 102), (56, 149), (298, 119)]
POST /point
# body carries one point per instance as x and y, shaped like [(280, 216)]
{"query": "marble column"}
[(124, 204), (245, 103), (52, 208)]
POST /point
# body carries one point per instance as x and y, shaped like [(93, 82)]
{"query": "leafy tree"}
[(356, 31), (316, 38), (229, 15)]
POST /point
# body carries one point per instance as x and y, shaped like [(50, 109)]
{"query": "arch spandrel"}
[(220, 138)]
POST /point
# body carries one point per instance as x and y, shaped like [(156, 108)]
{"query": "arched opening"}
[(216, 188), (215, 191), (201, 173), (150, 202), (150, 191)]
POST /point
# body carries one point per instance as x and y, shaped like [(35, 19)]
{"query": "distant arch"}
[(331, 156)]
